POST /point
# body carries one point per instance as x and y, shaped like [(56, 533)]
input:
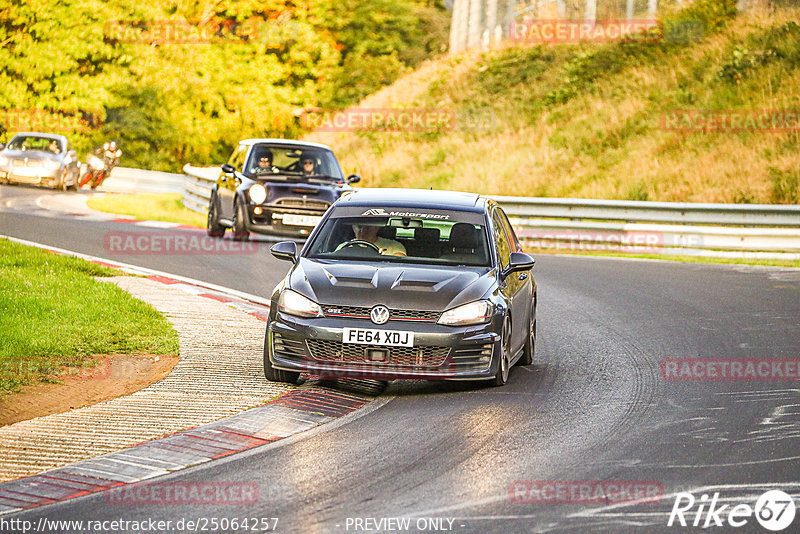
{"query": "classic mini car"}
[(399, 283), (275, 186), (39, 158)]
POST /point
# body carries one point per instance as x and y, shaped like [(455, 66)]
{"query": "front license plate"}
[(291, 219), (373, 336)]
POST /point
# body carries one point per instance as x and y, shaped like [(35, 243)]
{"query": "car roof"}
[(45, 135), (415, 198), (288, 142)]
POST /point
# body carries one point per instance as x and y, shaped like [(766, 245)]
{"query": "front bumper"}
[(30, 175), (273, 220), (439, 352)]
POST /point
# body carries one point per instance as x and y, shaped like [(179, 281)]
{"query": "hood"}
[(410, 287), (299, 189), (30, 155)]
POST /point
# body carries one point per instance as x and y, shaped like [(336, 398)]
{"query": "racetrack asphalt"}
[(595, 406)]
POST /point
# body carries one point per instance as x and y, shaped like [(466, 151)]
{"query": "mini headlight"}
[(258, 193), (473, 313), (296, 304), (3, 160)]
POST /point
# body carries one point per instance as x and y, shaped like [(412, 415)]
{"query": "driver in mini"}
[(369, 233), (265, 164)]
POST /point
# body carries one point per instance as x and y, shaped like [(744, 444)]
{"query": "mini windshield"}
[(32, 142), (292, 160), (404, 235)]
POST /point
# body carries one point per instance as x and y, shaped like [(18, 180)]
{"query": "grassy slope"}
[(54, 316), (585, 120)]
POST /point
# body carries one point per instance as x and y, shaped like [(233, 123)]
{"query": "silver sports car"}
[(41, 159)]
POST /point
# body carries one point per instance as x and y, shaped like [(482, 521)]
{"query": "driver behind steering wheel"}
[(369, 233)]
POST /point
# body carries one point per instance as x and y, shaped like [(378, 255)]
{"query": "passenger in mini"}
[(368, 232), (308, 165), (54, 148)]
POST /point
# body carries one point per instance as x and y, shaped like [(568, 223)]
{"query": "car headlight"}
[(473, 313), (296, 304), (258, 193), (3, 160), (51, 164)]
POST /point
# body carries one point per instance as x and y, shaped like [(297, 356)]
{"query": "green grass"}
[(54, 317), (149, 207), (684, 259)]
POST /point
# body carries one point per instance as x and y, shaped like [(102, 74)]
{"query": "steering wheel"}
[(362, 243)]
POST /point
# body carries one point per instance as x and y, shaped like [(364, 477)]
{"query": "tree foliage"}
[(183, 80)]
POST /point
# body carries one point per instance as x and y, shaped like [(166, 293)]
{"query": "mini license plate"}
[(291, 219), (373, 336)]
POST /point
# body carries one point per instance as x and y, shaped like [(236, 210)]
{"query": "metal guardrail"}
[(197, 186), (127, 180), (568, 224)]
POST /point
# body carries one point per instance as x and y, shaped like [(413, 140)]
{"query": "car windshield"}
[(403, 235), (32, 142), (292, 160)]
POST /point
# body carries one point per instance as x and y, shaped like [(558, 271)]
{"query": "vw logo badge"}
[(379, 314)]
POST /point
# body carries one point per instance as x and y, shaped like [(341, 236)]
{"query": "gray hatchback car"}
[(398, 283), (39, 159)]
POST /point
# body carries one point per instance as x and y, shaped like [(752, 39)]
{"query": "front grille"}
[(302, 203), (288, 349), (336, 351), (473, 358), (361, 312)]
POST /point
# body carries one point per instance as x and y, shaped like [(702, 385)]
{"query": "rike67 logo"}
[(774, 510)]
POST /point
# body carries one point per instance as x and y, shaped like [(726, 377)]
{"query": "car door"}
[(523, 298), (512, 286), (227, 183)]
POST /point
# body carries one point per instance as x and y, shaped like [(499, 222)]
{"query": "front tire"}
[(504, 367), (240, 232), (530, 346), (213, 226), (277, 375)]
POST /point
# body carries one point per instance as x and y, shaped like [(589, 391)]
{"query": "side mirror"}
[(285, 250), (519, 261), (228, 169), (2, 146), (353, 178)]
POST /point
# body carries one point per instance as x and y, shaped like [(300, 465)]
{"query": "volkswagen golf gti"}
[(404, 284)]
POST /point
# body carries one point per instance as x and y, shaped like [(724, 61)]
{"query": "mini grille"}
[(337, 351), (303, 203), (394, 315)]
